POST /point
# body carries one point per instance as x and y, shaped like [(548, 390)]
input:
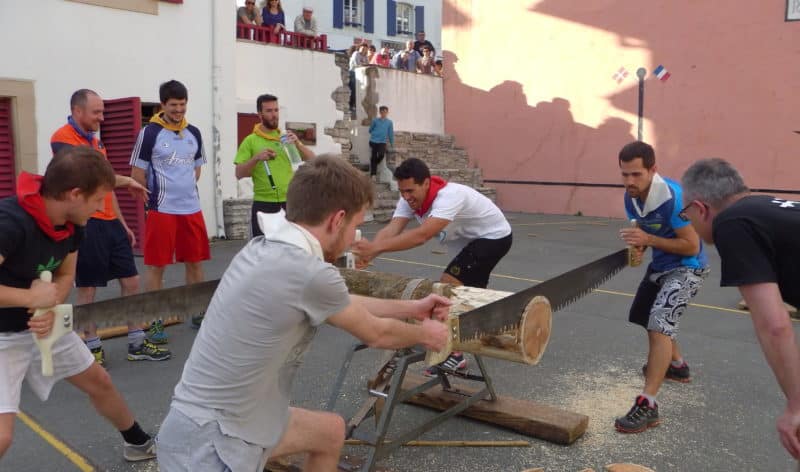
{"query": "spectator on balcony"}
[(248, 14), (382, 59), (273, 16), (421, 43), (305, 23), (426, 64), (407, 58), (371, 53), (400, 60), (438, 68), (357, 58)]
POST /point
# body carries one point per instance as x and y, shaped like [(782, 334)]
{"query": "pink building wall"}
[(529, 93)]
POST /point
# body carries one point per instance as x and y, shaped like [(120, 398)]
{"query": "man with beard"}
[(231, 407), (673, 277), (263, 157), (466, 221)]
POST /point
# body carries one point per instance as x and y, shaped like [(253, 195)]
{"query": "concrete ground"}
[(723, 420)]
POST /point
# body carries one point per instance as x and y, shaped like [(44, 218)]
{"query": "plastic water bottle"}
[(291, 152)]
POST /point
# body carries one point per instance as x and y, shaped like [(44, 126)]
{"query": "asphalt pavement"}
[(723, 420)]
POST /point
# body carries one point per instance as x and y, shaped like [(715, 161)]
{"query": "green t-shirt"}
[(280, 167)]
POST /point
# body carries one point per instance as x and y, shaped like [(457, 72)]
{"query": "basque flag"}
[(620, 75), (661, 73)]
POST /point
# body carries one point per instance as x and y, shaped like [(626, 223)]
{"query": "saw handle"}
[(62, 324), (632, 261)]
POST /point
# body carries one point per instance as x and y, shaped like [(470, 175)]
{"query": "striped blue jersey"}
[(169, 159)]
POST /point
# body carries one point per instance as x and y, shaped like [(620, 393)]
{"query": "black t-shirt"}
[(26, 251), (758, 240)]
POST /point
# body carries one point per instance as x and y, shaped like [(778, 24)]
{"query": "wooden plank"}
[(523, 416), (294, 463)]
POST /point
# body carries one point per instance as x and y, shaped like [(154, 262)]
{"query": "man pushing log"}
[(231, 407)]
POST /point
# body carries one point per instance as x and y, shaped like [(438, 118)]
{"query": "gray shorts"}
[(662, 298), (183, 445)]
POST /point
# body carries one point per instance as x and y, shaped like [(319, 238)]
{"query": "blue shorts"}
[(104, 254)]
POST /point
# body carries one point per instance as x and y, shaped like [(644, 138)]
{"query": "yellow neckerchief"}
[(272, 135), (158, 118)]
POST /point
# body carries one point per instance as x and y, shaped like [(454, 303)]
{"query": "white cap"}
[(308, 8)]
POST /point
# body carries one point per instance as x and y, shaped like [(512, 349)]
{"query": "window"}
[(393, 46), (405, 19), (353, 13)]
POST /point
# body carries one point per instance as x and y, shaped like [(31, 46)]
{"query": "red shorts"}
[(162, 231)]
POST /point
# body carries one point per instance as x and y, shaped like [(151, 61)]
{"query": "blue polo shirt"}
[(659, 217)]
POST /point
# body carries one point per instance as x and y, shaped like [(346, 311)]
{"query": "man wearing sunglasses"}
[(673, 277), (757, 240)]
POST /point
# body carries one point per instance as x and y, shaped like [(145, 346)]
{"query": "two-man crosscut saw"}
[(189, 300)]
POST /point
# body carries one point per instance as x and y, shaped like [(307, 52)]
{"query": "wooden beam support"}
[(525, 417)]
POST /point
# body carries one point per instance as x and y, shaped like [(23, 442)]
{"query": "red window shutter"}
[(246, 122), (7, 170), (123, 120)]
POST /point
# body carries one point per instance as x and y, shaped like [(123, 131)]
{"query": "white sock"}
[(135, 338), (677, 363)]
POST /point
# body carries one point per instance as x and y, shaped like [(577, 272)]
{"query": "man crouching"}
[(231, 407)]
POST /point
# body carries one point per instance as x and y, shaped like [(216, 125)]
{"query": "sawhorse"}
[(386, 387)]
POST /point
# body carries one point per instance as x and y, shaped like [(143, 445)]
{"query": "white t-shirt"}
[(472, 216)]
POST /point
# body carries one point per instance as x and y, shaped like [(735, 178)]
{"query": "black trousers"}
[(378, 153), (263, 207)]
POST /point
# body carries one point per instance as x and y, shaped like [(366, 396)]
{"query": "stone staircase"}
[(441, 154)]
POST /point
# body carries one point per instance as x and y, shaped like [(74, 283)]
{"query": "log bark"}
[(525, 342)]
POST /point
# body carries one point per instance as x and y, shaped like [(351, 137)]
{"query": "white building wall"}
[(343, 38), (118, 54), (415, 101)]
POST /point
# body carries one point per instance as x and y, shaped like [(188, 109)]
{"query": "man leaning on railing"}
[(306, 25)]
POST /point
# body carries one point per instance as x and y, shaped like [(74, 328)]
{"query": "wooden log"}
[(627, 467), (383, 285), (524, 342), (523, 416)]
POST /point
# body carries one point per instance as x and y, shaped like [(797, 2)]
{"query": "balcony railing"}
[(265, 34)]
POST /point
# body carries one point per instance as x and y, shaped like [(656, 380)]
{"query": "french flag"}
[(661, 73)]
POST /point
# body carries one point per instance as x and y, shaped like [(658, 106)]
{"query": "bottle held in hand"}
[(291, 152)]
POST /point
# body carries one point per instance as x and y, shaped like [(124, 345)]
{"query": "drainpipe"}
[(216, 160)]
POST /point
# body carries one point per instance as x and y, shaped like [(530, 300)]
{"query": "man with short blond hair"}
[(231, 409)]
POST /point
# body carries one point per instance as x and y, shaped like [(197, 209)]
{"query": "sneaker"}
[(99, 355), (639, 418), (148, 352), (134, 453), (454, 362), (198, 320), (676, 374), (156, 333)]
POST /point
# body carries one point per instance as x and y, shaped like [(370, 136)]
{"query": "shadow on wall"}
[(728, 95), (555, 149)]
